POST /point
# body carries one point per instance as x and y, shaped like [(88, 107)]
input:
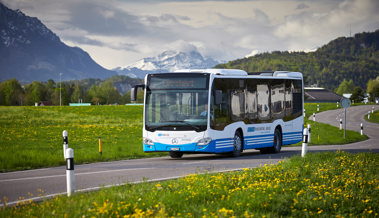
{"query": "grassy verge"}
[(31, 137), (374, 117), (325, 134), (335, 184)]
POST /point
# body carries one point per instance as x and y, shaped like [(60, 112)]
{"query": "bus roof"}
[(236, 72)]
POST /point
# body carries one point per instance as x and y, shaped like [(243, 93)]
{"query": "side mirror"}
[(218, 96), (133, 92)]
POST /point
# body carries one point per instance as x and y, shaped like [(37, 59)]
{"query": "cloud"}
[(119, 32), (302, 6)]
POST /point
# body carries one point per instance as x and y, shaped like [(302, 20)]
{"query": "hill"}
[(355, 58), (30, 51)]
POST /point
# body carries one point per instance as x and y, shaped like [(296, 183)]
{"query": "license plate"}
[(174, 149)]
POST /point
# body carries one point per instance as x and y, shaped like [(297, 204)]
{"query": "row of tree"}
[(62, 93), (357, 92)]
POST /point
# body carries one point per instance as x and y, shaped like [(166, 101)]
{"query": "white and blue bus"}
[(221, 110)]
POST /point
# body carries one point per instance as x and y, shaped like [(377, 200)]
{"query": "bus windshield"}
[(177, 102)]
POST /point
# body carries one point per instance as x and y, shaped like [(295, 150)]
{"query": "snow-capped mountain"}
[(167, 61), (30, 51)]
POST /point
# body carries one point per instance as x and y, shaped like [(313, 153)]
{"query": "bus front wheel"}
[(175, 154)]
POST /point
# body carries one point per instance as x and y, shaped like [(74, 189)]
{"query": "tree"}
[(372, 88), (357, 94), (77, 94), (35, 92), (346, 87), (13, 92)]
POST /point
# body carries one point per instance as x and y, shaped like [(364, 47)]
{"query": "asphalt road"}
[(41, 183)]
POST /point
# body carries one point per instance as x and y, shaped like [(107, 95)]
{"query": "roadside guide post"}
[(361, 128), (70, 174), (65, 143), (304, 146), (345, 103), (340, 124)]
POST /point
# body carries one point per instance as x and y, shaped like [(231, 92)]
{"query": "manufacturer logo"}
[(174, 141)]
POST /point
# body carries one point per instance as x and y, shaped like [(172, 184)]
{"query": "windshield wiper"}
[(181, 121), (197, 129)]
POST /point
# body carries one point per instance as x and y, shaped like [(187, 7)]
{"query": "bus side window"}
[(288, 100), (251, 101), (297, 98), (264, 112), (277, 99), (221, 110)]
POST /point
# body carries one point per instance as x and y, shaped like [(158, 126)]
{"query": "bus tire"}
[(237, 144), (175, 154), (277, 144)]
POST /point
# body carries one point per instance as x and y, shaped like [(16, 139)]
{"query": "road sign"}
[(345, 102)]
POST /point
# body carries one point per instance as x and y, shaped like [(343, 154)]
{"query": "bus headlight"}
[(204, 141), (148, 141)]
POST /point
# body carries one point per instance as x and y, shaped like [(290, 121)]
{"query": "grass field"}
[(374, 117), (31, 137), (335, 184)]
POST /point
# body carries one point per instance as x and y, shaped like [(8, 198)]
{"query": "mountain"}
[(352, 58), (30, 51), (167, 61)]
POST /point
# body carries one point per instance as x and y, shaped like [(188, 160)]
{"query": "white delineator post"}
[(372, 110), (70, 174), (318, 108), (304, 147), (314, 117), (65, 143), (368, 115), (340, 124), (309, 133), (361, 128)]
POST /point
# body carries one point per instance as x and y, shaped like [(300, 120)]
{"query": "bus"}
[(221, 111)]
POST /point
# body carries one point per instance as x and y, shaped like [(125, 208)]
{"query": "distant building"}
[(318, 94), (45, 103)]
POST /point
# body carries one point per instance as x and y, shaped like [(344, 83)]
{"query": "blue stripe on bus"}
[(226, 144)]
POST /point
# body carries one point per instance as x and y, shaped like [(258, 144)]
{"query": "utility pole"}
[(60, 89)]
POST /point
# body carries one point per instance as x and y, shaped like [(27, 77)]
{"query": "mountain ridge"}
[(30, 51), (167, 61)]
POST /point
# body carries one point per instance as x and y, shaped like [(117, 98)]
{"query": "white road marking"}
[(76, 174)]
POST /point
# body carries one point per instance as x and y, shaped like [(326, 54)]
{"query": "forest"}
[(351, 58)]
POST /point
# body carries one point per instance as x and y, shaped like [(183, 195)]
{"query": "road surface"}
[(41, 183)]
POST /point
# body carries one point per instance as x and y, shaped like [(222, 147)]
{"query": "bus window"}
[(237, 99), (251, 101), (263, 93), (288, 100), (297, 98), (220, 111), (277, 99)]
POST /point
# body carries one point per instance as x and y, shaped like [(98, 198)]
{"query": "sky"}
[(117, 33)]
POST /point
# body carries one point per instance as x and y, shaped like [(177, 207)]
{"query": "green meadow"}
[(374, 117), (335, 184), (31, 137)]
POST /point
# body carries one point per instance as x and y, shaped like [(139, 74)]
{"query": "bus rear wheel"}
[(237, 144), (175, 154), (277, 143)]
